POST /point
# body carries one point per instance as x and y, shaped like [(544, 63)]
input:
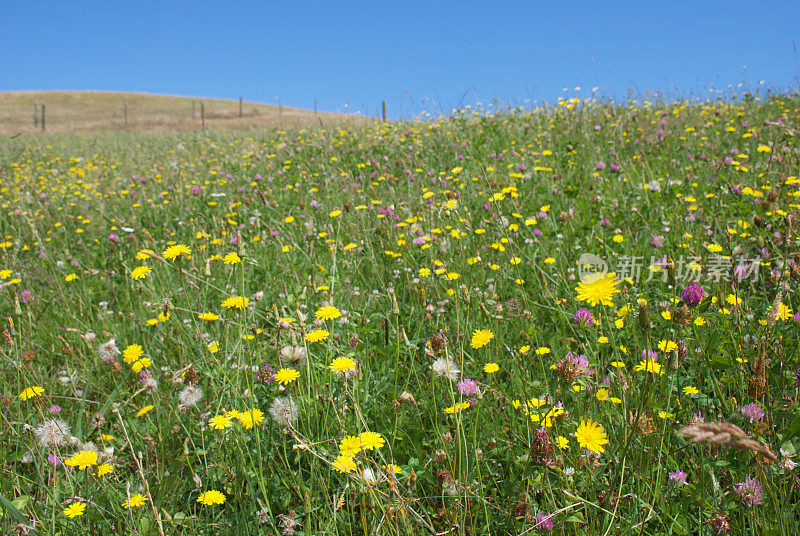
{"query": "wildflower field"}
[(578, 319)]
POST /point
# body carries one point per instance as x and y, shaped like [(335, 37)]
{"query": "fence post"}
[(35, 115), (125, 112), (383, 105), (240, 108), (202, 114), (194, 110), (43, 115)]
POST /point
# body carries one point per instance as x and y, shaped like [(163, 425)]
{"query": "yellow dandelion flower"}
[(144, 410), (328, 312), (350, 446), (31, 392), (371, 440), (140, 272), (135, 501), (344, 464), (598, 289), (491, 368), (591, 435), (212, 497), (82, 460), (481, 338), (286, 376), (316, 335), (75, 509), (132, 352), (173, 252), (236, 302), (232, 258), (220, 422)]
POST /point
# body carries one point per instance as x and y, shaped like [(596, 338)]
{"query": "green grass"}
[(419, 234)]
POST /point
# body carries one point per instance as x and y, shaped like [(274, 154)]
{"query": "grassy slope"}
[(92, 111)]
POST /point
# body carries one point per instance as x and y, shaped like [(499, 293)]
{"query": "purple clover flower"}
[(468, 387), (583, 317), (749, 492), (753, 411), (692, 295), (678, 478)]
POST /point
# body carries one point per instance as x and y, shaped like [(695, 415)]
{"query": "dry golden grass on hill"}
[(94, 111)]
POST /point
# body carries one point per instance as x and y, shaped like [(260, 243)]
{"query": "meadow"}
[(578, 319)]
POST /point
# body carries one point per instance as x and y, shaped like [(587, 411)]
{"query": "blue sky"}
[(417, 56)]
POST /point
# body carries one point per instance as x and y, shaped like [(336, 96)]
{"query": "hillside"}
[(94, 111)]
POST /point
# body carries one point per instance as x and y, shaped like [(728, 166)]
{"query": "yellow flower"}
[(232, 258), (617, 364), (173, 252), (598, 289), (592, 436), (371, 440), (491, 368), (784, 312), (524, 349), (733, 300), (236, 302), (456, 408), (208, 316), (344, 464), (31, 392), (316, 335), (601, 395), (135, 501), (140, 272), (328, 312), (618, 238), (132, 352), (690, 390), (142, 363), (213, 347), (144, 410), (481, 338), (350, 446), (665, 415), (650, 365), (212, 497), (542, 350), (562, 442), (392, 468), (424, 272), (286, 376), (144, 254), (82, 460), (5, 274), (71, 277), (252, 417), (220, 422), (75, 509), (335, 213), (104, 469), (343, 365), (667, 346)]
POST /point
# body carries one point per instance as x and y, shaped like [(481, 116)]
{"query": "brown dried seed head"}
[(726, 434)]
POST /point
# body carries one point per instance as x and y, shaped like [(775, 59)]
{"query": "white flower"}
[(190, 395), (52, 432), (445, 367), (283, 411), (294, 355), (108, 350)]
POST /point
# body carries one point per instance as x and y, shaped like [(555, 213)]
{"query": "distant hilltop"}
[(96, 111)]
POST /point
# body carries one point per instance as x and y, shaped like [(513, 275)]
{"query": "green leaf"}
[(16, 514)]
